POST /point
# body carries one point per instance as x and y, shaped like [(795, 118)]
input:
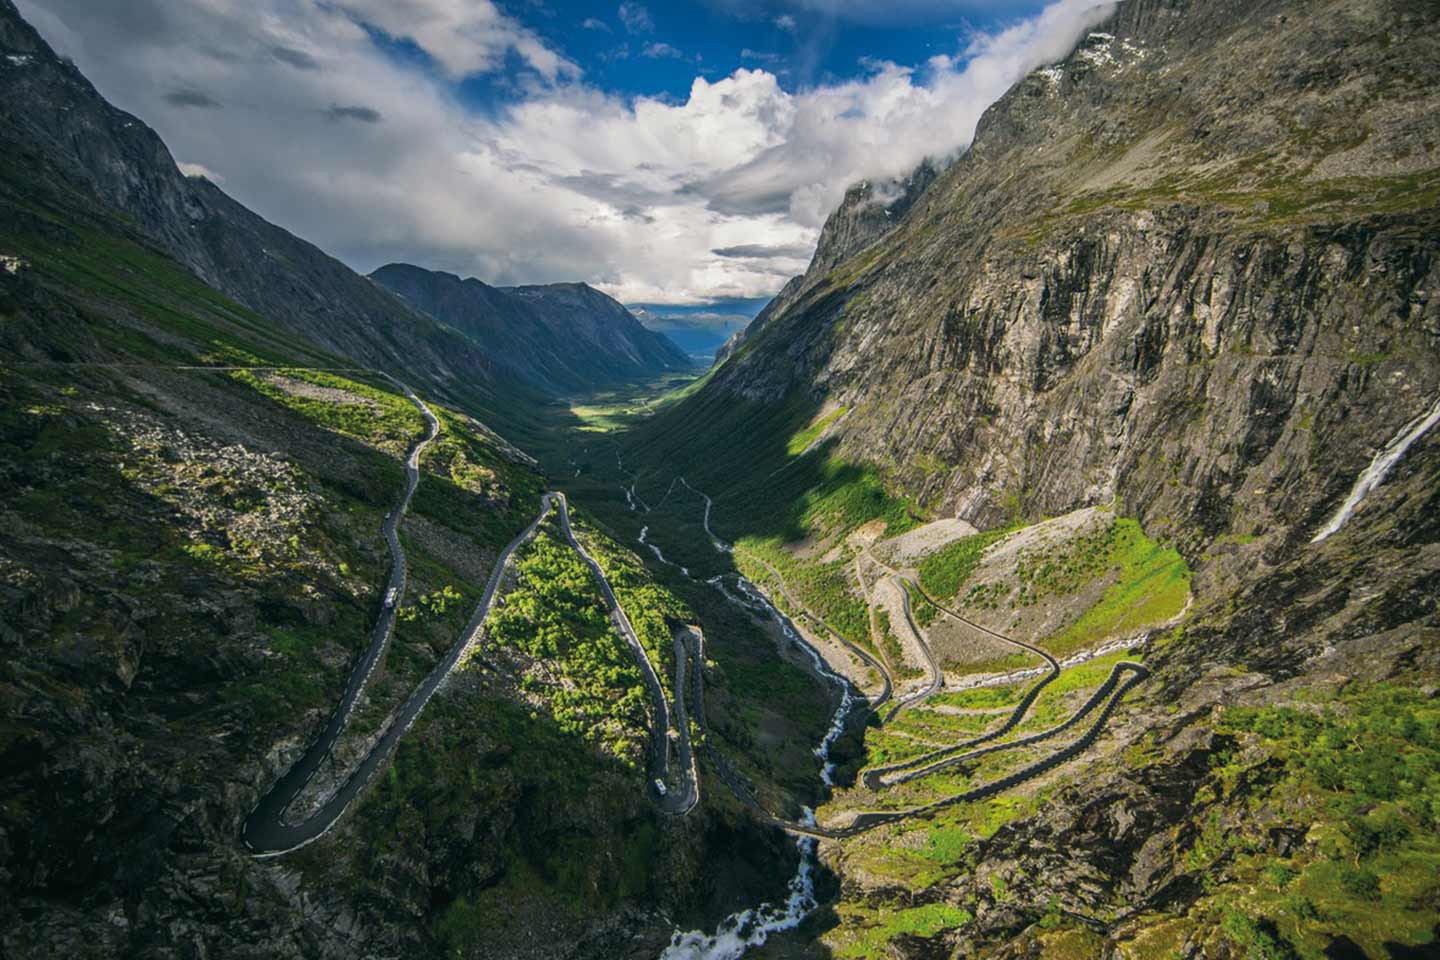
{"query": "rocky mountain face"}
[(191, 564), (58, 133), (869, 211), (1175, 255), (1190, 271), (558, 337)]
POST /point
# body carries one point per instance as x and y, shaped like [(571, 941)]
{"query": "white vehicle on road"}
[(391, 596), (660, 787)]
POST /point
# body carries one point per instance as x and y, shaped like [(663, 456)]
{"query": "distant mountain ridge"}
[(869, 212), (556, 337), (60, 138), (68, 142)]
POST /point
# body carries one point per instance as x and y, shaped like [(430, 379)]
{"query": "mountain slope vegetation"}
[(555, 338), (1181, 275), (1098, 387), (197, 451)]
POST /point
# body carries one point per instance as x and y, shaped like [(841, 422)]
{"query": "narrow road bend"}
[(937, 677), (1109, 694), (677, 801), (267, 832)]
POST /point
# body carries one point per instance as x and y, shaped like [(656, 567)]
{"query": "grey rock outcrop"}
[(869, 211), (1142, 282)]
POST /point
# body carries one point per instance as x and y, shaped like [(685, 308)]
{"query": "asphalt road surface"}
[(677, 800), (1123, 677), (267, 832)]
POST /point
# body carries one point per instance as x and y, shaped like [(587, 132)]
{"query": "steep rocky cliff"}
[(869, 211), (1189, 272), (1179, 254), (556, 337)]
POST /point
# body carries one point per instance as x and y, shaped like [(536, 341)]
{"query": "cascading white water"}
[(645, 532), (741, 931), (720, 545), (1371, 476), (847, 690)]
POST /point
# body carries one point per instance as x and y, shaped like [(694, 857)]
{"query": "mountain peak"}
[(558, 337)]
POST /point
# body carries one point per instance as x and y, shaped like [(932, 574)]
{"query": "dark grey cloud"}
[(192, 98), (617, 191), (761, 251), (362, 114), (298, 59), (637, 215), (736, 197), (763, 184)]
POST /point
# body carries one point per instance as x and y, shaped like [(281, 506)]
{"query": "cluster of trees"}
[(945, 571), (651, 608), (437, 603), (1360, 779), (556, 614)]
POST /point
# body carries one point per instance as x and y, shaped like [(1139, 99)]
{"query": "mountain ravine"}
[(1049, 572)]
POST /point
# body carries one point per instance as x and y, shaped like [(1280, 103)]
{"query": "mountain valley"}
[(1049, 571)]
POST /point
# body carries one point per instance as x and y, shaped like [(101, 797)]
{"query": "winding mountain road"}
[(1111, 692), (689, 648), (267, 831), (1123, 677), (674, 801), (875, 777), (937, 676)]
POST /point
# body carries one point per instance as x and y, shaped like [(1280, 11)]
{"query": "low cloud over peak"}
[(186, 99), (762, 251)]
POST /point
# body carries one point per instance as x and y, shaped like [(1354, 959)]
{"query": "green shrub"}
[(1257, 938), (944, 572)]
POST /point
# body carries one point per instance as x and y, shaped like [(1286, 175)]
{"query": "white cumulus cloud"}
[(719, 195)]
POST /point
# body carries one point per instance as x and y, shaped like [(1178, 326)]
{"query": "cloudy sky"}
[(672, 153)]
